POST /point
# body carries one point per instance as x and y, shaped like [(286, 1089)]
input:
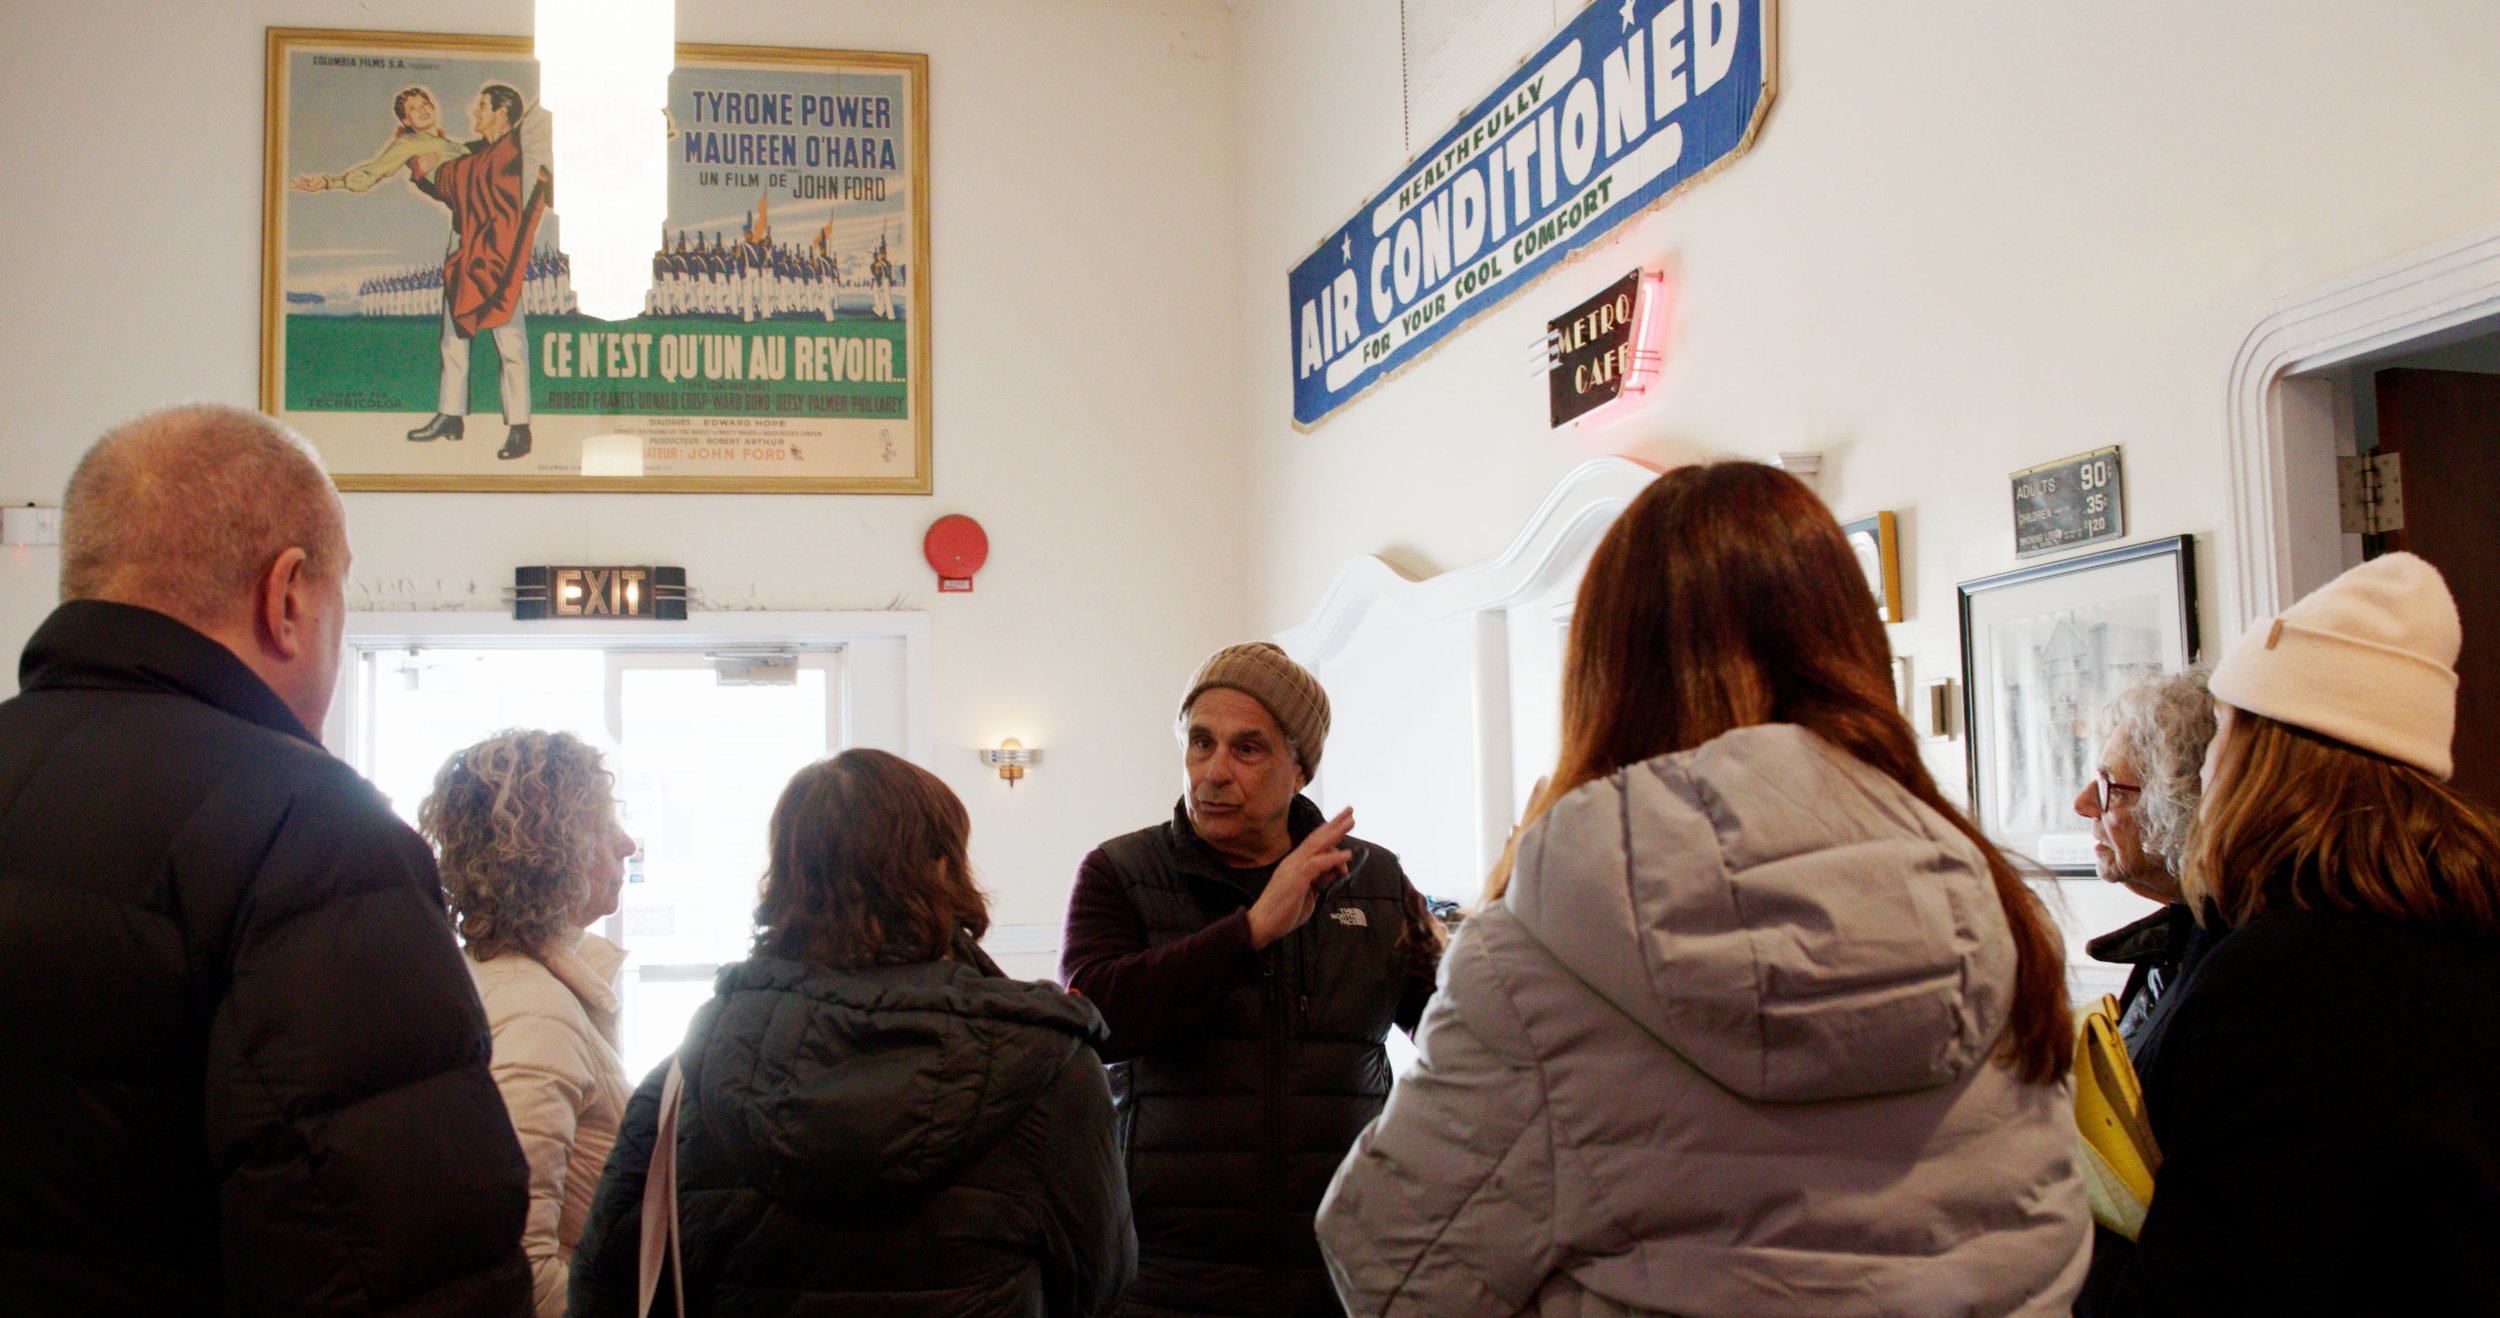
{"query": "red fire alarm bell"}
[(957, 547)]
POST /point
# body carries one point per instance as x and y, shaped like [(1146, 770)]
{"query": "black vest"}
[(1232, 1140)]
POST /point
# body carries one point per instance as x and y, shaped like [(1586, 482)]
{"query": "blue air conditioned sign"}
[(1630, 101)]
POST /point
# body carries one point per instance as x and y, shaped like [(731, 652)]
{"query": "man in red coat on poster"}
[(496, 194)]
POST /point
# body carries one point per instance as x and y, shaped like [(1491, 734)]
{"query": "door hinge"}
[(2372, 490)]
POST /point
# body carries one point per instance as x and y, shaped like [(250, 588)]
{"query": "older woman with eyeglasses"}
[(2142, 805)]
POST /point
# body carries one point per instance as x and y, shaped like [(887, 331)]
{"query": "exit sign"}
[(599, 592)]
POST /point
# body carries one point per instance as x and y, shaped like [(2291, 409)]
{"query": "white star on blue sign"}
[(1627, 15), (1349, 249)]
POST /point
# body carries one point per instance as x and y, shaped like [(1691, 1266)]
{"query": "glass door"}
[(701, 742), (702, 754)]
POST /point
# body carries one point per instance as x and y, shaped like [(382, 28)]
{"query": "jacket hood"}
[(841, 1089), (1789, 920)]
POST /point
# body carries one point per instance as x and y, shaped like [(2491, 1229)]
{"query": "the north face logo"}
[(1350, 916)]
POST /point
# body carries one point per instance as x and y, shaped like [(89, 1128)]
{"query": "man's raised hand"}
[(1293, 891)]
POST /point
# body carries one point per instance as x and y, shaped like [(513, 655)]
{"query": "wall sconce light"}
[(1011, 759)]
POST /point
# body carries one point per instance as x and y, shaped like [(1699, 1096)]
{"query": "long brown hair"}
[(1726, 596), (868, 866), (2300, 821)]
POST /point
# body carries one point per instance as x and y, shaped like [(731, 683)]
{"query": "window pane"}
[(429, 703), (698, 767), (702, 765)]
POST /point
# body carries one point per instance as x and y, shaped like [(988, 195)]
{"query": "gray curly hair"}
[(2162, 725)]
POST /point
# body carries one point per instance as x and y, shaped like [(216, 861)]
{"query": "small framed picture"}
[(1878, 547), (2043, 649)]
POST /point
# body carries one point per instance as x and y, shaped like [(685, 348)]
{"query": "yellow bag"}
[(2119, 1156)]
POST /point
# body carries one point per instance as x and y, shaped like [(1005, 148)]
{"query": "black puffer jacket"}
[(2327, 1102), (1243, 1076), (242, 1069), (926, 1140)]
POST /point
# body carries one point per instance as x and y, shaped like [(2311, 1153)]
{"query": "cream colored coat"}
[(554, 1020)]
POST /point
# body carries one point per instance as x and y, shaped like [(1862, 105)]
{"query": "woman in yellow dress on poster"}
[(418, 138)]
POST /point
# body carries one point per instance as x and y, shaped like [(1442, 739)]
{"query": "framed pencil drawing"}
[(2043, 649), (417, 323)]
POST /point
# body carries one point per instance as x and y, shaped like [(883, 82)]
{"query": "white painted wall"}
[(1972, 237), (1086, 363), (1401, 747)]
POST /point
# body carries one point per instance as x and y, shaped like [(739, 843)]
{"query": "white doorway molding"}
[(2283, 429), (1576, 511), (1431, 667)]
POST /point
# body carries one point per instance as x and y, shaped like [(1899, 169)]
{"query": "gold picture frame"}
[(786, 347), (1877, 543)]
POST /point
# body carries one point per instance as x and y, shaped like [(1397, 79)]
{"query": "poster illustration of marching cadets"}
[(418, 321)]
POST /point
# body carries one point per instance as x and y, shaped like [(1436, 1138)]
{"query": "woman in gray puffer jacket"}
[(1752, 1022)]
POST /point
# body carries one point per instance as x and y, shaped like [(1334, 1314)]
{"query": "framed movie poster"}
[(2043, 649), (417, 320)]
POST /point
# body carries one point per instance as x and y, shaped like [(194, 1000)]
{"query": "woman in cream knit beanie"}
[(2325, 1091), (2369, 659)]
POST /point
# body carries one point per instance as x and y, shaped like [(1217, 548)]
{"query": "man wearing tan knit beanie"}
[(1249, 956)]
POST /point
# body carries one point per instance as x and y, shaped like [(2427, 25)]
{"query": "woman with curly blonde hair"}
[(532, 853)]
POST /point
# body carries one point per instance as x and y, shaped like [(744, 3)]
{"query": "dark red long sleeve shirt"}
[(1153, 997)]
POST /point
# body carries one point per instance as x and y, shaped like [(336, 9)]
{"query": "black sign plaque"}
[(1589, 350), (2069, 503)]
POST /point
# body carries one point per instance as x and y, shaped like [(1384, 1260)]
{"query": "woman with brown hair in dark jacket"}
[(2326, 1092), (873, 1120)]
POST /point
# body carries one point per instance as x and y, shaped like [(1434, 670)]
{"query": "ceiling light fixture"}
[(603, 69)]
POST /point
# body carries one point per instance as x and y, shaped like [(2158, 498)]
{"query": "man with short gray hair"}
[(241, 1066)]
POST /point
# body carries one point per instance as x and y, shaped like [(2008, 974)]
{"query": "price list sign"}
[(2068, 503)]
